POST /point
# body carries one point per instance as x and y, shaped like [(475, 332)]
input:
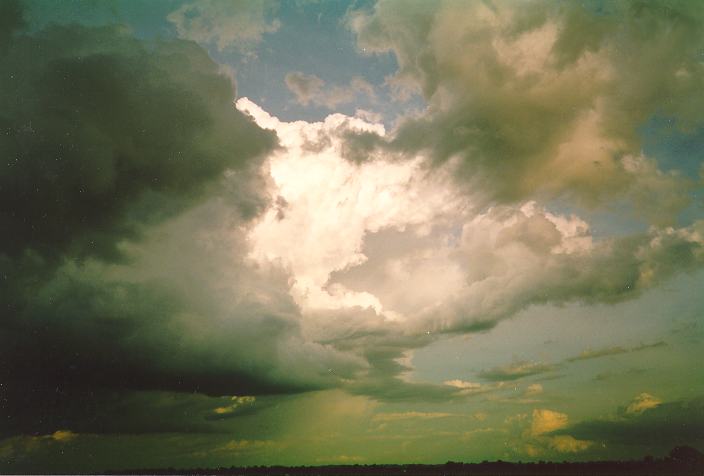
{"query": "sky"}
[(349, 232)]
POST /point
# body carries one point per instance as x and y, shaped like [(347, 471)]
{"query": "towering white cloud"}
[(326, 205), (403, 250)]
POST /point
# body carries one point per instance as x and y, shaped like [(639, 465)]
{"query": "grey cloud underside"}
[(173, 319), (514, 268), (610, 272), (667, 425), (384, 382), (99, 411), (381, 346)]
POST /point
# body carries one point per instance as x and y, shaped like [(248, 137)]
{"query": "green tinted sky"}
[(305, 232)]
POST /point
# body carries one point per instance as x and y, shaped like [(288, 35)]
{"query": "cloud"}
[(533, 389), (91, 409), (546, 421), (168, 267), (603, 376), (542, 100), (506, 259), (420, 259), (26, 448), (304, 86), (506, 278), (461, 384), (387, 417), (538, 433), (235, 447), (568, 444), (63, 435), (516, 371), (642, 402), (469, 389), (180, 282), (237, 403), (185, 315), (132, 184), (239, 24), (310, 89), (659, 427), (382, 383), (335, 195), (594, 354), (13, 20), (78, 180)]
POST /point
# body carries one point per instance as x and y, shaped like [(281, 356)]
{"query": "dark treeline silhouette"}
[(683, 460)]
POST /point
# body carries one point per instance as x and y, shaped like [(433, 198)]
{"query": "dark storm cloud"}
[(81, 329), (174, 319), (667, 425), (100, 411), (127, 181), (103, 133), (11, 20), (108, 411)]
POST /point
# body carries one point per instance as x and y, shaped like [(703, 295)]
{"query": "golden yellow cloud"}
[(568, 444), (642, 402), (545, 421)]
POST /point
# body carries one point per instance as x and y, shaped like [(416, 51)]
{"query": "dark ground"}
[(682, 461)]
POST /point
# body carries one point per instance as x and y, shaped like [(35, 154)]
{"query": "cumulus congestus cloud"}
[(420, 259)]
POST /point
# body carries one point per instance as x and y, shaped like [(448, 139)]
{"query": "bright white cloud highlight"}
[(326, 205), (405, 240)]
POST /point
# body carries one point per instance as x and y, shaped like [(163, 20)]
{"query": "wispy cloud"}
[(310, 89), (596, 353), (516, 371), (236, 23), (386, 417)]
